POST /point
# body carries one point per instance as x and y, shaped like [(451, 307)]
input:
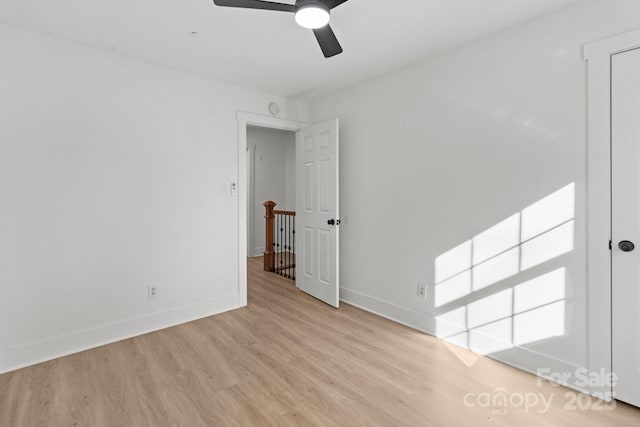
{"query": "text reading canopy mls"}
[(312, 14)]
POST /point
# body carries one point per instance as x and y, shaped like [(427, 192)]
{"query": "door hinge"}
[(610, 244)]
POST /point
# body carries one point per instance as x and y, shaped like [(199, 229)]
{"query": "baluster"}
[(279, 242), (289, 253), (278, 248), (269, 261)]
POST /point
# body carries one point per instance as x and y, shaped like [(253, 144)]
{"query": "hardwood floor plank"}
[(285, 360)]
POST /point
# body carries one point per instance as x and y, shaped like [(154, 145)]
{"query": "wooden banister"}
[(269, 261), (280, 245)]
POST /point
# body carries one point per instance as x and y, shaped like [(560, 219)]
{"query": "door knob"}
[(626, 246), (331, 222)]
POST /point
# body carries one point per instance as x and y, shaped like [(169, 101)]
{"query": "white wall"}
[(113, 177), (290, 173), (439, 152), (274, 179)]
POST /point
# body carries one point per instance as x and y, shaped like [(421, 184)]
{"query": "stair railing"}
[(280, 245)]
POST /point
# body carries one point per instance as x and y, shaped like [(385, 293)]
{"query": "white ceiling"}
[(266, 50)]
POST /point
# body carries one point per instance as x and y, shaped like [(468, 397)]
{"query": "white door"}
[(317, 211), (625, 191)]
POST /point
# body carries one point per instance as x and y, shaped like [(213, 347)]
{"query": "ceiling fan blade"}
[(328, 41), (333, 3), (256, 4)]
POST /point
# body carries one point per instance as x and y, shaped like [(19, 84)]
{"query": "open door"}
[(317, 210)]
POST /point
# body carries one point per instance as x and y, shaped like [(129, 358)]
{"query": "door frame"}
[(250, 119), (598, 55), (251, 164)]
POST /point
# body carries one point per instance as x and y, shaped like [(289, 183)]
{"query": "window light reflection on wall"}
[(522, 314)]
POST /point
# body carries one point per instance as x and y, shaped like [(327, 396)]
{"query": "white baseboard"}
[(413, 319), (517, 357), (529, 361), (31, 353)]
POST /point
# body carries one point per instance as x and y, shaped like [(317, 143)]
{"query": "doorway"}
[(317, 200), (271, 177), (246, 120)]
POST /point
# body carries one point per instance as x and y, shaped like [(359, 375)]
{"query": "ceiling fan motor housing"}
[(301, 4)]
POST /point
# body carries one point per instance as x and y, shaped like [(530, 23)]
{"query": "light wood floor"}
[(286, 360)]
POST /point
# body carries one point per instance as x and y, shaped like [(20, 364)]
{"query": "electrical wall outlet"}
[(153, 292), (422, 290)]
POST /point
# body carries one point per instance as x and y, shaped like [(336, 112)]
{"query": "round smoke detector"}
[(274, 109)]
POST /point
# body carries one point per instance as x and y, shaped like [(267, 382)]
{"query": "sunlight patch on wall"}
[(496, 269), (549, 212), (528, 312), (454, 288), (548, 246), (537, 234), (523, 314), (491, 338), (497, 239), (540, 291), (452, 323), (453, 262), (489, 309), (541, 323)]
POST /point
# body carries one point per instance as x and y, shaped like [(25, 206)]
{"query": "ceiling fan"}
[(312, 14)]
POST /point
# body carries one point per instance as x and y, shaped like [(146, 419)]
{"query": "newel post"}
[(269, 260)]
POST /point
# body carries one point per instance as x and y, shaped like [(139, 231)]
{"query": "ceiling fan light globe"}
[(312, 16)]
